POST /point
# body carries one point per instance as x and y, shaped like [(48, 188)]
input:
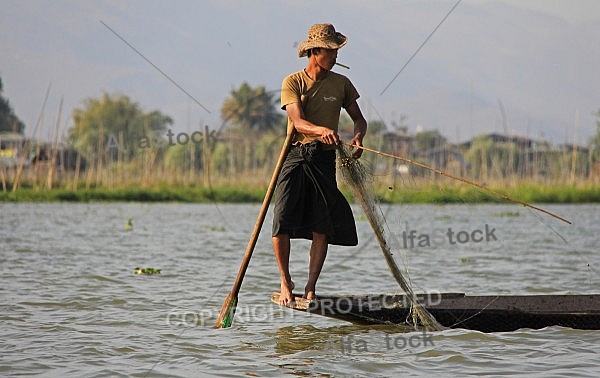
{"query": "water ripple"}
[(71, 305)]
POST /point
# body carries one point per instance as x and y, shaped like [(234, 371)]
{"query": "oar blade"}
[(227, 312)]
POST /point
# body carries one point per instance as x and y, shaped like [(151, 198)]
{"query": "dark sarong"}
[(307, 199)]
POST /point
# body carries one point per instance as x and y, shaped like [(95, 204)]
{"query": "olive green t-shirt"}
[(321, 100)]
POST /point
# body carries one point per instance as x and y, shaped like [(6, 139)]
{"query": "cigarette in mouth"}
[(342, 65)]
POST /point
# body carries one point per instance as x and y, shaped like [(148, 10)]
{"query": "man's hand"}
[(329, 136), (325, 134), (360, 128), (357, 141)]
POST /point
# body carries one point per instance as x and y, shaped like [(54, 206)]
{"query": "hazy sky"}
[(536, 58)]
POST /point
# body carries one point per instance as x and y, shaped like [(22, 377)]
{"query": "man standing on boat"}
[(308, 203)]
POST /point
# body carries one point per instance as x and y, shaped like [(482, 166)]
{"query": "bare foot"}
[(285, 296), (309, 294)]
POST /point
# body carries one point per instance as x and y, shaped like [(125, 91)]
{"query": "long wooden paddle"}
[(228, 310)]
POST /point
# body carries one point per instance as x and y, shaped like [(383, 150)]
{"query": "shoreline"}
[(420, 194)]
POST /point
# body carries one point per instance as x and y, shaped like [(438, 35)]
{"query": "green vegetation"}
[(529, 193), (252, 109), (9, 122), (192, 195), (594, 142), (114, 128), (508, 214), (425, 193), (431, 139), (117, 152), (148, 271)]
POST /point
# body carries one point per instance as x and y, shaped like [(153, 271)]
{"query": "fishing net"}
[(358, 179)]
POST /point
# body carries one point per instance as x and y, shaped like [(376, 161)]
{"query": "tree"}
[(426, 140), (595, 141), (183, 157), (376, 127), (478, 156), (252, 108), (400, 125), (113, 125), (8, 120)]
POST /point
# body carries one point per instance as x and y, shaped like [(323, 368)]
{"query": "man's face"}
[(326, 58)]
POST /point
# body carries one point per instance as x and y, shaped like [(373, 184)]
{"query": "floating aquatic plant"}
[(139, 270)]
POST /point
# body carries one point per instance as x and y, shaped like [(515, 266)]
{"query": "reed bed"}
[(237, 169), (133, 183)]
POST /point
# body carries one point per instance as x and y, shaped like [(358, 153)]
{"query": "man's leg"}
[(318, 252), (281, 246)]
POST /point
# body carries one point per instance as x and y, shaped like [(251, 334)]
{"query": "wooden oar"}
[(228, 310)]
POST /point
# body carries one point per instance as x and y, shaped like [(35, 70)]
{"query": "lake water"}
[(71, 305)]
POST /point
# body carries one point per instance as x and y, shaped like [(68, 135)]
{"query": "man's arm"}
[(326, 135), (360, 127)]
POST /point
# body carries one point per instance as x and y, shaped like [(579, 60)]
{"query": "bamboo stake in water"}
[(50, 177), (27, 144)]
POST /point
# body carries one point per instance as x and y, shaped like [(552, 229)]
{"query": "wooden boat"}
[(488, 313)]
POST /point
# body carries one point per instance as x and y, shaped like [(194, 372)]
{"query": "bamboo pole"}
[(229, 305), (26, 146), (574, 149), (49, 179)]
